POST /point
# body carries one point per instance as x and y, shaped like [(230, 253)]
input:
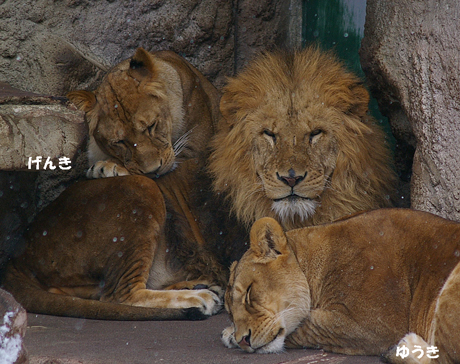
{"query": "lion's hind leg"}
[(129, 287)]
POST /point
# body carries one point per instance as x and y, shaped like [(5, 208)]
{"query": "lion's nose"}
[(245, 341), (292, 179)]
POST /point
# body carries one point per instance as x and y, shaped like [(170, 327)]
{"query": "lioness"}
[(151, 113), (355, 286), (107, 245)]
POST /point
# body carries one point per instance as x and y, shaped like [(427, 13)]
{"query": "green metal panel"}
[(339, 25)]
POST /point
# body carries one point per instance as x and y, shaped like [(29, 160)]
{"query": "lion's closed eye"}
[(270, 136), (151, 129), (314, 135), (119, 145), (250, 300), (247, 297)]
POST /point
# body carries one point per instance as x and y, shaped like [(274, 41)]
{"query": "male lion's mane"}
[(362, 178)]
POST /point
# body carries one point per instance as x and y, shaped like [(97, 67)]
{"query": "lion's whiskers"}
[(292, 308), (288, 315), (181, 142), (255, 191)]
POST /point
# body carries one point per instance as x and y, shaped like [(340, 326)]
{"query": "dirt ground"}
[(62, 340)]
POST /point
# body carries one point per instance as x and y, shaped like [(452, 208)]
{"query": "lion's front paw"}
[(102, 169), (211, 302), (228, 337)]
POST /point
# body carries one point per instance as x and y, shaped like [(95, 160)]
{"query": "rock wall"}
[(411, 56), (54, 46)]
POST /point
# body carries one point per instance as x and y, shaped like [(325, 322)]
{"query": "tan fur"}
[(150, 113), (107, 245), (355, 287), (303, 113)]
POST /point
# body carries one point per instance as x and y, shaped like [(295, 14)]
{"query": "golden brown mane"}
[(316, 83)]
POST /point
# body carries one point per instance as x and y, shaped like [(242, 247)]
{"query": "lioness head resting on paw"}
[(148, 113), (296, 142), (263, 317), (357, 286)]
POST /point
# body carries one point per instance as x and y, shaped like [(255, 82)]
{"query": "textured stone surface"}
[(13, 325), (28, 132), (54, 46), (265, 25), (34, 126), (260, 27), (411, 54)]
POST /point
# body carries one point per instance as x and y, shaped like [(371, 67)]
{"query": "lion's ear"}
[(84, 100), (238, 100), (142, 65), (359, 100), (268, 240)]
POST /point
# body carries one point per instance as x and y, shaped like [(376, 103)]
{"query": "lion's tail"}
[(36, 300)]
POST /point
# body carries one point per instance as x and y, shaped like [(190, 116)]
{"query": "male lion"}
[(106, 245), (355, 287), (296, 142)]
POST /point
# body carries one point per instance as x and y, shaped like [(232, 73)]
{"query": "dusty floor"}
[(59, 340)]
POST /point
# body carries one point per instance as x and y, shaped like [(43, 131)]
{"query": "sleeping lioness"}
[(355, 287), (150, 115), (130, 247)]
